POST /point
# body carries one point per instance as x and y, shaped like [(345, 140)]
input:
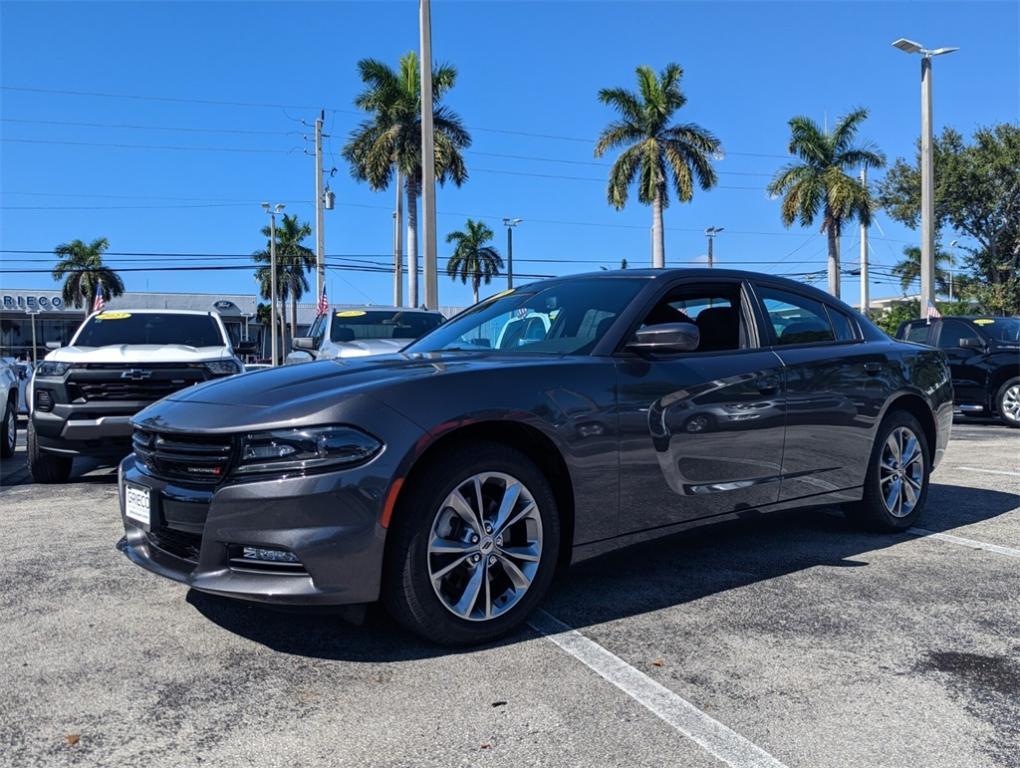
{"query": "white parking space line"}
[(991, 471), (964, 542), (714, 737)]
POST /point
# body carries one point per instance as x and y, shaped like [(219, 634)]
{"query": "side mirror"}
[(246, 347), (52, 345), (666, 338), (306, 343), (971, 343)]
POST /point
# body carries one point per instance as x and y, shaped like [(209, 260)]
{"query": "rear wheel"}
[(46, 467), (475, 546), (1007, 403), (896, 485), (9, 429)]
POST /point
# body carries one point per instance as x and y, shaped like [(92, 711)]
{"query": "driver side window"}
[(715, 310)]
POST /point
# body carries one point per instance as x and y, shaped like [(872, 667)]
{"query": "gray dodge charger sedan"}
[(452, 479)]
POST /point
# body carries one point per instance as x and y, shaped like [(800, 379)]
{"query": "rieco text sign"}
[(23, 301)]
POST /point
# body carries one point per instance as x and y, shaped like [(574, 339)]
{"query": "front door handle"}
[(872, 368), (767, 385)]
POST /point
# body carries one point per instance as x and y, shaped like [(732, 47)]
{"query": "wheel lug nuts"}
[(475, 558), (474, 539), (499, 541), (492, 559), (488, 528)]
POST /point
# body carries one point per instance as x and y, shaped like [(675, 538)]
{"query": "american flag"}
[(323, 306), (99, 304), (933, 312)]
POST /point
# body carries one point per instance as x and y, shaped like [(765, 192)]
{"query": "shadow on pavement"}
[(672, 571)]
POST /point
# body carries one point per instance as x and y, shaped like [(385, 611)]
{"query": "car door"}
[(701, 433), (965, 362), (836, 385)]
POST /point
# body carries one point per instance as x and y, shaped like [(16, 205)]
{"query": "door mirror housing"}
[(53, 345), (304, 343), (666, 338), (972, 344), (246, 347)]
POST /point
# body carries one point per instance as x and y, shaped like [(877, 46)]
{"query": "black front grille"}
[(180, 544), (116, 382), (195, 458)]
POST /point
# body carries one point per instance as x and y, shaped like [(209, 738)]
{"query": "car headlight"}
[(280, 450), (223, 367), (51, 368)]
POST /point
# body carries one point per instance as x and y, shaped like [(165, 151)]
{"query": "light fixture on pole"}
[(711, 232), (510, 223), (272, 210), (927, 171)]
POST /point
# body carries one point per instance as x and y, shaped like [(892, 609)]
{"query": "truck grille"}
[(195, 458), (116, 382)]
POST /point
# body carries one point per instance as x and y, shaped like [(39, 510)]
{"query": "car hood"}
[(138, 353), (368, 347)]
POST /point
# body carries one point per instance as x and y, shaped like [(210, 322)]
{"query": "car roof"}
[(151, 311), (382, 308)]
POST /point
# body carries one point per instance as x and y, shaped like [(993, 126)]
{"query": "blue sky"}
[(525, 68)]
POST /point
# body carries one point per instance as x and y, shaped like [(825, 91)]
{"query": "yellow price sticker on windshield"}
[(984, 321), (115, 316), (501, 294), (351, 313)]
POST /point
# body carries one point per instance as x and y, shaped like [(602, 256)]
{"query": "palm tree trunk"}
[(833, 259), (658, 235), (474, 286), (412, 242)]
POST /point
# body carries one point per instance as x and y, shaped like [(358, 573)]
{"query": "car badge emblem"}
[(136, 374)]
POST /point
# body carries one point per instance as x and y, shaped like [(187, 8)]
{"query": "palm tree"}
[(909, 269), (655, 148), (293, 261), (472, 258), (85, 274), (819, 183), (390, 139)]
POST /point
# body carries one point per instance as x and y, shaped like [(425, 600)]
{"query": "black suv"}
[(984, 357)]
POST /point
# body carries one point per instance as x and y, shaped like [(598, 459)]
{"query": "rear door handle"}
[(767, 385)]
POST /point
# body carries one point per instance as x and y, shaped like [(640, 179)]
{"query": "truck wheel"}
[(9, 429), (46, 467), (1007, 403)]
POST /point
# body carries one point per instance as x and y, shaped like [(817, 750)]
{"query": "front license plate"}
[(136, 503)]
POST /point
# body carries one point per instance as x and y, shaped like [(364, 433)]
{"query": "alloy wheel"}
[(12, 425), (901, 472), (485, 546), (1011, 403)]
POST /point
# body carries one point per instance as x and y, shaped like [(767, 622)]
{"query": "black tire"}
[(408, 593), (871, 511), (46, 467), (1008, 415), (9, 429)]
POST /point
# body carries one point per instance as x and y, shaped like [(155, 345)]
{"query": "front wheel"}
[(896, 485), (475, 546), (9, 430), (46, 467), (1007, 403)]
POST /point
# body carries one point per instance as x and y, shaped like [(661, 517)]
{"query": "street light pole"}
[(398, 247), (428, 161), (711, 232), (865, 298), (272, 211), (927, 171), (510, 223), (952, 266), (33, 313)]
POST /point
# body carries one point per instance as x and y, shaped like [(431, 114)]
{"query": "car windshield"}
[(358, 324), (563, 318), (149, 328), (1000, 328)]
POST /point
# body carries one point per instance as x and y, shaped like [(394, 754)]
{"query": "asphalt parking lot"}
[(789, 640)]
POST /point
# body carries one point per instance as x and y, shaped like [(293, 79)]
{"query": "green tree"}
[(81, 267), (909, 269), (655, 147), (819, 184), (390, 139), (472, 258), (977, 196), (293, 262)]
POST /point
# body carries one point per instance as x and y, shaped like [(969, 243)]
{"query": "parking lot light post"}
[(711, 232), (510, 223), (927, 170), (272, 211), (33, 313)]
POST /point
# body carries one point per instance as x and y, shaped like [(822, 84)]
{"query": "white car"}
[(8, 407), (82, 396), (362, 332)]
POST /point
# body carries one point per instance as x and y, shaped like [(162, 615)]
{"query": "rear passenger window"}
[(917, 333), (841, 325), (795, 319)]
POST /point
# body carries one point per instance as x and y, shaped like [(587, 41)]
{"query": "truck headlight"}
[(51, 368), (223, 367), (280, 450)]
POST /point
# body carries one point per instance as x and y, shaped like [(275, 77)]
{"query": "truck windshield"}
[(1000, 328), (357, 324), (109, 328)]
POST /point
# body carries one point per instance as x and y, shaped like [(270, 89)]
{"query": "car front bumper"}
[(329, 521)]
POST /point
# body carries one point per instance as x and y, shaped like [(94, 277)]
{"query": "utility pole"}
[(428, 160), (272, 211), (33, 313), (320, 233), (510, 223), (398, 256), (927, 172), (865, 299), (711, 232)]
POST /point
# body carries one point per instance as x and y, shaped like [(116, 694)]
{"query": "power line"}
[(150, 146), (128, 126)]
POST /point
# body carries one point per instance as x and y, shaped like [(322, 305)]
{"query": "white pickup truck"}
[(82, 396)]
